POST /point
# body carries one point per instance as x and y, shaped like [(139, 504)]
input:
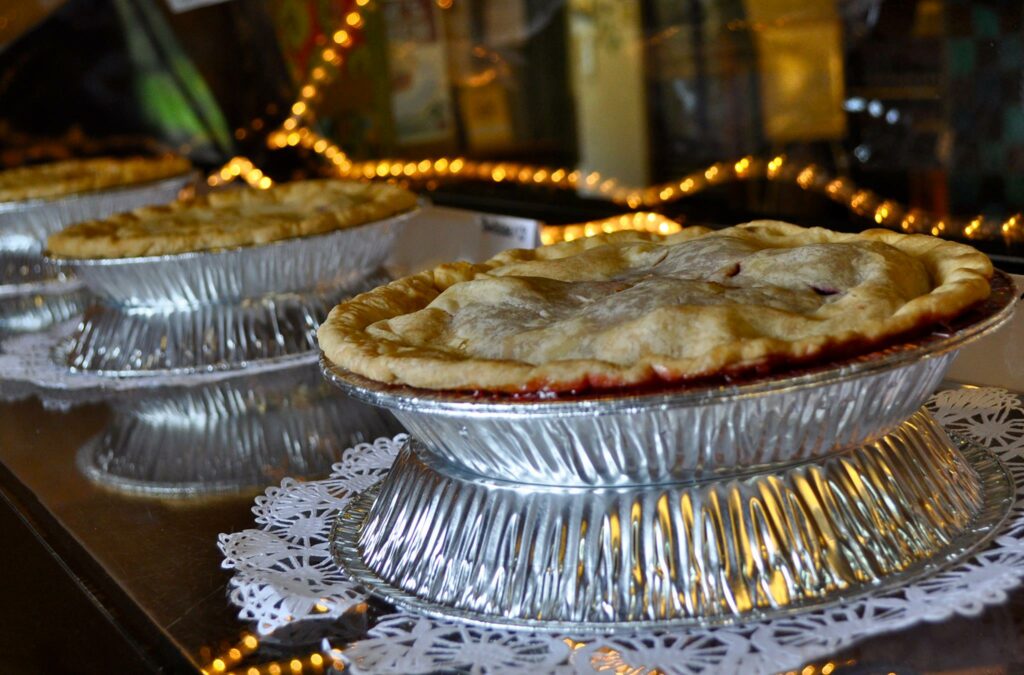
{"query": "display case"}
[(848, 114), (146, 402)]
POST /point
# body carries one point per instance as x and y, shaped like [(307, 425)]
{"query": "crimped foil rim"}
[(88, 462), (997, 493), (211, 255), (32, 306), (28, 204), (400, 397), (248, 401), (44, 287), (240, 367)]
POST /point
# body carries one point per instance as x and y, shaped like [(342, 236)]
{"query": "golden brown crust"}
[(233, 218), (71, 176), (631, 308)]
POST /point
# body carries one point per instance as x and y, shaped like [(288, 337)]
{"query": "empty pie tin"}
[(25, 225), (218, 310), (437, 539)]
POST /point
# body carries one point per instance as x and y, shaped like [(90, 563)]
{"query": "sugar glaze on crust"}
[(233, 218), (628, 308)]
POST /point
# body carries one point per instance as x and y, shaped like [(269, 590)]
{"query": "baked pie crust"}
[(233, 218), (67, 177), (628, 308)]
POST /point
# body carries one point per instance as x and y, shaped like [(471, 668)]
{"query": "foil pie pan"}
[(220, 310), (25, 225), (25, 268), (34, 293), (438, 540), (234, 435), (34, 306), (699, 504), (129, 342)]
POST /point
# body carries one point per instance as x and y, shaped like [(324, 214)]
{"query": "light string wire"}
[(295, 130)]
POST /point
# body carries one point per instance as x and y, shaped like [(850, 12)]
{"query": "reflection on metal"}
[(34, 294), (240, 434), (36, 306), (441, 540), (642, 440)]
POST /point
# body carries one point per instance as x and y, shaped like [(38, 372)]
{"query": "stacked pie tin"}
[(222, 344), (702, 505), (220, 310), (33, 293)]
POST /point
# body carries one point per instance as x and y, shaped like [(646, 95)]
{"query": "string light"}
[(809, 177), (231, 656), (295, 131), (973, 227), (654, 223), (300, 109), (312, 663), (240, 167)]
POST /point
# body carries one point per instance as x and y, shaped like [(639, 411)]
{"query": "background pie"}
[(631, 308), (233, 218), (58, 179)]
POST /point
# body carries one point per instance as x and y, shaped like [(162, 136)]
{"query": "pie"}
[(233, 218), (71, 176), (628, 308)]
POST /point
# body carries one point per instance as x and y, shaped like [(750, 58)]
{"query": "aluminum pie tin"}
[(25, 225), (37, 305), (277, 328), (689, 433), (213, 310), (18, 269), (436, 539), (231, 436), (693, 506)]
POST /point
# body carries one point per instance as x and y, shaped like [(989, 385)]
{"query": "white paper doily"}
[(27, 368), (283, 573)]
